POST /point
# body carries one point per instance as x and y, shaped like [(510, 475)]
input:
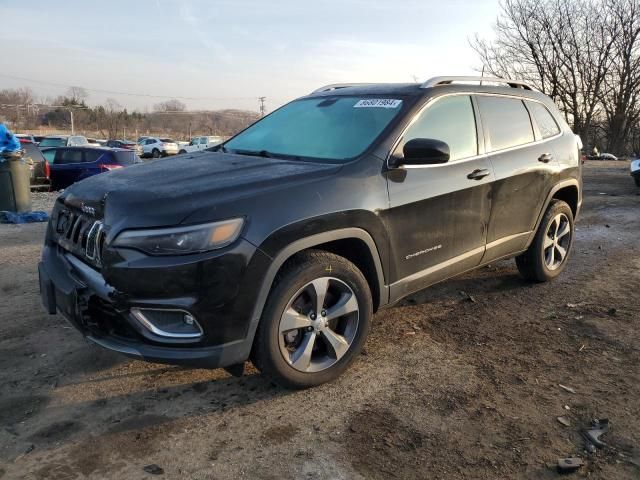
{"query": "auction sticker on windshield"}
[(378, 103)]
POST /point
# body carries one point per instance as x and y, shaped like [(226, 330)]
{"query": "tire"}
[(544, 260), (280, 353), (181, 152), (155, 153), (637, 180)]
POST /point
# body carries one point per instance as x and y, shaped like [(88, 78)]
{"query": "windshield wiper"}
[(255, 153)]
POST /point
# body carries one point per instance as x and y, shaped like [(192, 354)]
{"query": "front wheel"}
[(155, 153), (315, 322), (547, 255)]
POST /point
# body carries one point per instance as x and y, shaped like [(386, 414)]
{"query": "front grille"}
[(81, 235)]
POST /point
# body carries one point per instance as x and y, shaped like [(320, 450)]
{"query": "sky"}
[(226, 53)]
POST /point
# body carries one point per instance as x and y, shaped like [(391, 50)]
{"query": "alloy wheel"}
[(557, 241), (318, 325)]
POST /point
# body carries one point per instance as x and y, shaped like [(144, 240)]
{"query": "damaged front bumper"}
[(104, 315)]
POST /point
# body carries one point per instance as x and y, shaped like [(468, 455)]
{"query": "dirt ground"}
[(459, 381)]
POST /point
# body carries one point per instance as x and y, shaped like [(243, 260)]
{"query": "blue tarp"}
[(8, 141), (26, 217)]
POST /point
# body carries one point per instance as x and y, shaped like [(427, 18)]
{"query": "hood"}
[(167, 191)]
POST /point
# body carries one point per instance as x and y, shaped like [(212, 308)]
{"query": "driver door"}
[(439, 213)]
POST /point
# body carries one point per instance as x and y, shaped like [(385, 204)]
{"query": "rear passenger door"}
[(438, 215), (523, 163)]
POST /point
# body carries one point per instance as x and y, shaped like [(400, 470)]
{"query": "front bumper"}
[(101, 312)]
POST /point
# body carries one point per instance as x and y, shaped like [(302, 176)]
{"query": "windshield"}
[(333, 128), (53, 142)]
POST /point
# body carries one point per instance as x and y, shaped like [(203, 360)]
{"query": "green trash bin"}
[(15, 181)]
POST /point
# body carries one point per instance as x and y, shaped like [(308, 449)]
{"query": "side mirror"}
[(424, 151)]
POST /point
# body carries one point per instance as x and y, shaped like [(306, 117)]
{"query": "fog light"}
[(178, 324)]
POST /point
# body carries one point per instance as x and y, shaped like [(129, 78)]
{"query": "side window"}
[(451, 120), (203, 140), (49, 155), (150, 141), (506, 120), (69, 156), (543, 118), (93, 155)]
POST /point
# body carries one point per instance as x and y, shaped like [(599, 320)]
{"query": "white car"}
[(200, 143), (158, 147), (635, 171)]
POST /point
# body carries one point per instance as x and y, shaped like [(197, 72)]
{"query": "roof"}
[(431, 86)]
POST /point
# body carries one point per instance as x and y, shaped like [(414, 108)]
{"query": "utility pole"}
[(262, 109), (73, 130)]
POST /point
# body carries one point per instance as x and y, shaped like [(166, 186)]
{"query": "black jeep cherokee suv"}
[(279, 245)]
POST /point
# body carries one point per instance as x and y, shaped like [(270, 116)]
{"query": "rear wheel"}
[(547, 255), (315, 322)]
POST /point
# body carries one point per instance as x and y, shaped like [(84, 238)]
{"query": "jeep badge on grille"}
[(88, 210)]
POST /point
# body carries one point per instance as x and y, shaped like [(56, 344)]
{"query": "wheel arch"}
[(366, 257), (567, 191)]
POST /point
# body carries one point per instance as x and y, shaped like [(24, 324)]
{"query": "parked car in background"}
[(126, 144), (158, 147), (63, 141), (38, 138), (602, 156), (40, 172), (26, 137), (68, 165), (201, 143), (95, 142), (142, 139), (635, 171)]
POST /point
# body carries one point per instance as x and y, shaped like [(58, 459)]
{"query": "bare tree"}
[(563, 47), (621, 95), (172, 105), (77, 95)]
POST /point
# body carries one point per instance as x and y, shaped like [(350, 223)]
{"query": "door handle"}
[(545, 158), (478, 174)]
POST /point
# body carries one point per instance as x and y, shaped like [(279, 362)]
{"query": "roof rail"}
[(436, 81), (336, 86)]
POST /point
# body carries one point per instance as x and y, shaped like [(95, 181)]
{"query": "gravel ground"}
[(459, 381)]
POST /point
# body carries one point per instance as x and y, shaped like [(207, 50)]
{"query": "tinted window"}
[(150, 141), (32, 152), (543, 118), (333, 128), (94, 155), (126, 158), (451, 120), (53, 142), (49, 154), (69, 156), (506, 120)]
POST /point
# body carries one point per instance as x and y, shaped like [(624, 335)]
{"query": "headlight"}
[(181, 240)]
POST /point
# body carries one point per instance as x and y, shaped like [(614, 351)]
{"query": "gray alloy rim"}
[(318, 325), (557, 241)]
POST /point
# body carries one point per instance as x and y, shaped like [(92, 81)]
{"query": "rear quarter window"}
[(126, 158), (95, 155), (506, 121), (547, 125), (65, 157)]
